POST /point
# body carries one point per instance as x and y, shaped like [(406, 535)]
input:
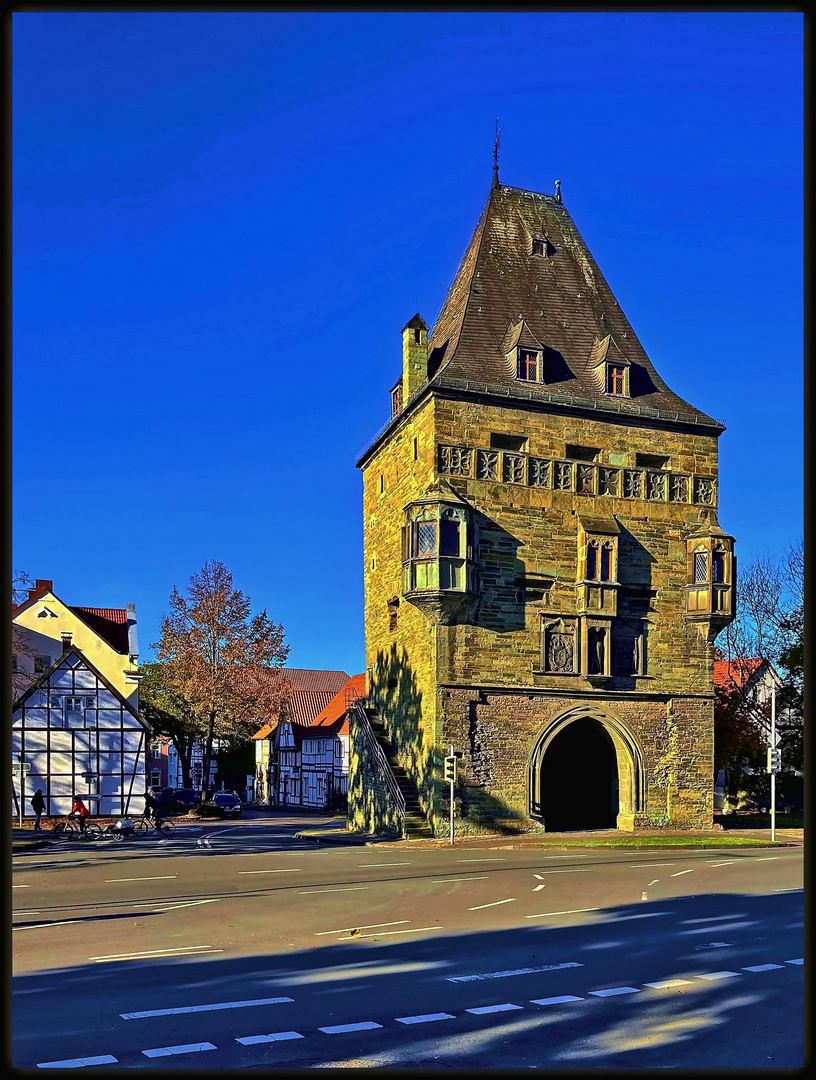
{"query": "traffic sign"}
[(21, 766)]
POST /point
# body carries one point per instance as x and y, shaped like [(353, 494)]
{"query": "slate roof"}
[(503, 295)]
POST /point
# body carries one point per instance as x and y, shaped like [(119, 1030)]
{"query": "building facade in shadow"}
[(545, 573)]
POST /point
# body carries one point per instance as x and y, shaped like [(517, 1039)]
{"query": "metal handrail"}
[(375, 751)]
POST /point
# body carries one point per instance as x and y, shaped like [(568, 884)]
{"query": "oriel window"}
[(426, 538), (700, 566)]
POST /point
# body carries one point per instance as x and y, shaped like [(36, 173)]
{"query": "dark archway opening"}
[(579, 779)]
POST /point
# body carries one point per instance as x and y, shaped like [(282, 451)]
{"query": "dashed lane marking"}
[(21, 886), (763, 967), (441, 881), (502, 859), (484, 1009), (288, 870), (726, 863), (643, 865), (712, 975), (164, 877), (146, 954), (426, 1018), (336, 1029), (76, 1063), (681, 872), (215, 1007), (387, 933), (370, 864), (570, 911), (40, 926), (664, 984), (801, 960), (587, 871), (276, 1036), (368, 926), (495, 903), (186, 1048), (613, 991), (511, 971), (562, 1000)]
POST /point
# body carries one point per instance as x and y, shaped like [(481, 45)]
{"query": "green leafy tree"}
[(223, 662)]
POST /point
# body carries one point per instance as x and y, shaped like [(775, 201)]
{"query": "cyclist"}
[(153, 810), (80, 810)]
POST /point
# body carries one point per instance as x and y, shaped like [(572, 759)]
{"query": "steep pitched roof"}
[(111, 624), (730, 674), (332, 719), (561, 300), (312, 690)]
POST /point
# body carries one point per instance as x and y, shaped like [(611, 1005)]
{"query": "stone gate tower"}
[(544, 570)]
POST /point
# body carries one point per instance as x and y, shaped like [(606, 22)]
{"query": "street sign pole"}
[(773, 774), (19, 770), (451, 796)]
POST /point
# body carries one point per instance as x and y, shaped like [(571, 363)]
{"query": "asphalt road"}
[(238, 946)]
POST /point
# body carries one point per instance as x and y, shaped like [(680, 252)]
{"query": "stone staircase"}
[(416, 825)]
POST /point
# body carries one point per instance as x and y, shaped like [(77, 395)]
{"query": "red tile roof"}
[(309, 679), (730, 673), (312, 691), (109, 623), (332, 720)]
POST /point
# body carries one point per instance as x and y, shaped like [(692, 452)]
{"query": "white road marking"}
[(714, 918), (150, 952), (186, 904), (547, 858), (718, 975), (495, 903), (354, 888), (75, 1063), (615, 990), (366, 1025), (801, 960), (512, 971), (502, 859), (288, 870), (555, 1000), (164, 877), (276, 1036), (366, 864), (568, 871), (385, 933), (795, 889), (32, 912), (368, 926), (205, 1008), (441, 881), (643, 865), (767, 858), (654, 881), (664, 984), (40, 926), (424, 1019), (493, 1009), (681, 872), (21, 886), (763, 967), (726, 863), (713, 945), (186, 1048), (538, 887), (722, 926), (570, 911)]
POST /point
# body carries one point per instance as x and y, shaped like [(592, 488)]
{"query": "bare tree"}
[(224, 663), (21, 645)]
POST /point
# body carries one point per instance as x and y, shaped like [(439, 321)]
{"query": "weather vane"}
[(496, 156)]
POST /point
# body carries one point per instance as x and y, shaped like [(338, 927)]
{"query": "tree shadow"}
[(500, 606)]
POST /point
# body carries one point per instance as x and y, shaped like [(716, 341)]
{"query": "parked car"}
[(181, 798), (229, 802)]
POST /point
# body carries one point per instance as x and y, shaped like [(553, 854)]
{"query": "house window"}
[(718, 566), (396, 400), (74, 710), (425, 539), (616, 380), (700, 565), (155, 778), (527, 365), (599, 561), (437, 550), (539, 247)]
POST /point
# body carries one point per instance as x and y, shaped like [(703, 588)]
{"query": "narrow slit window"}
[(449, 538), (718, 567), (592, 562), (606, 563)]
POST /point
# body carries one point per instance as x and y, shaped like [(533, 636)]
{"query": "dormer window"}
[(396, 399), (528, 365), (539, 247), (616, 380)]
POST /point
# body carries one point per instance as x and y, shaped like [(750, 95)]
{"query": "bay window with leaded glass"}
[(438, 555)]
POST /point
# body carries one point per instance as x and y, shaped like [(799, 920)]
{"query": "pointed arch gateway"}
[(585, 770)]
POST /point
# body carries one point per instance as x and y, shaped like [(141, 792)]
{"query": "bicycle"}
[(68, 829), (143, 825)]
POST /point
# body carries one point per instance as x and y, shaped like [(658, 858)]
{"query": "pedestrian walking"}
[(38, 806)]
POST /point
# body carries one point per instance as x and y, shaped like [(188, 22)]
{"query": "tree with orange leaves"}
[(225, 663)]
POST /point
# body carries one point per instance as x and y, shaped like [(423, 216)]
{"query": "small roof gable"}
[(111, 624), (43, 679), (732, 674), (341, 702)]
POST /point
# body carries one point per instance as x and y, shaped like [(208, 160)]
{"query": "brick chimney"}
[(41, 585)]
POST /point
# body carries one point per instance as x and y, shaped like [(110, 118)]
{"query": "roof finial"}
[(496, 157), (558, 191)]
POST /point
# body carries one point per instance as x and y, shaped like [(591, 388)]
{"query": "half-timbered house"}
[(77, 734)]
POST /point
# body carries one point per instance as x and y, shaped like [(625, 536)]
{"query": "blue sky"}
[(222, 221)]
